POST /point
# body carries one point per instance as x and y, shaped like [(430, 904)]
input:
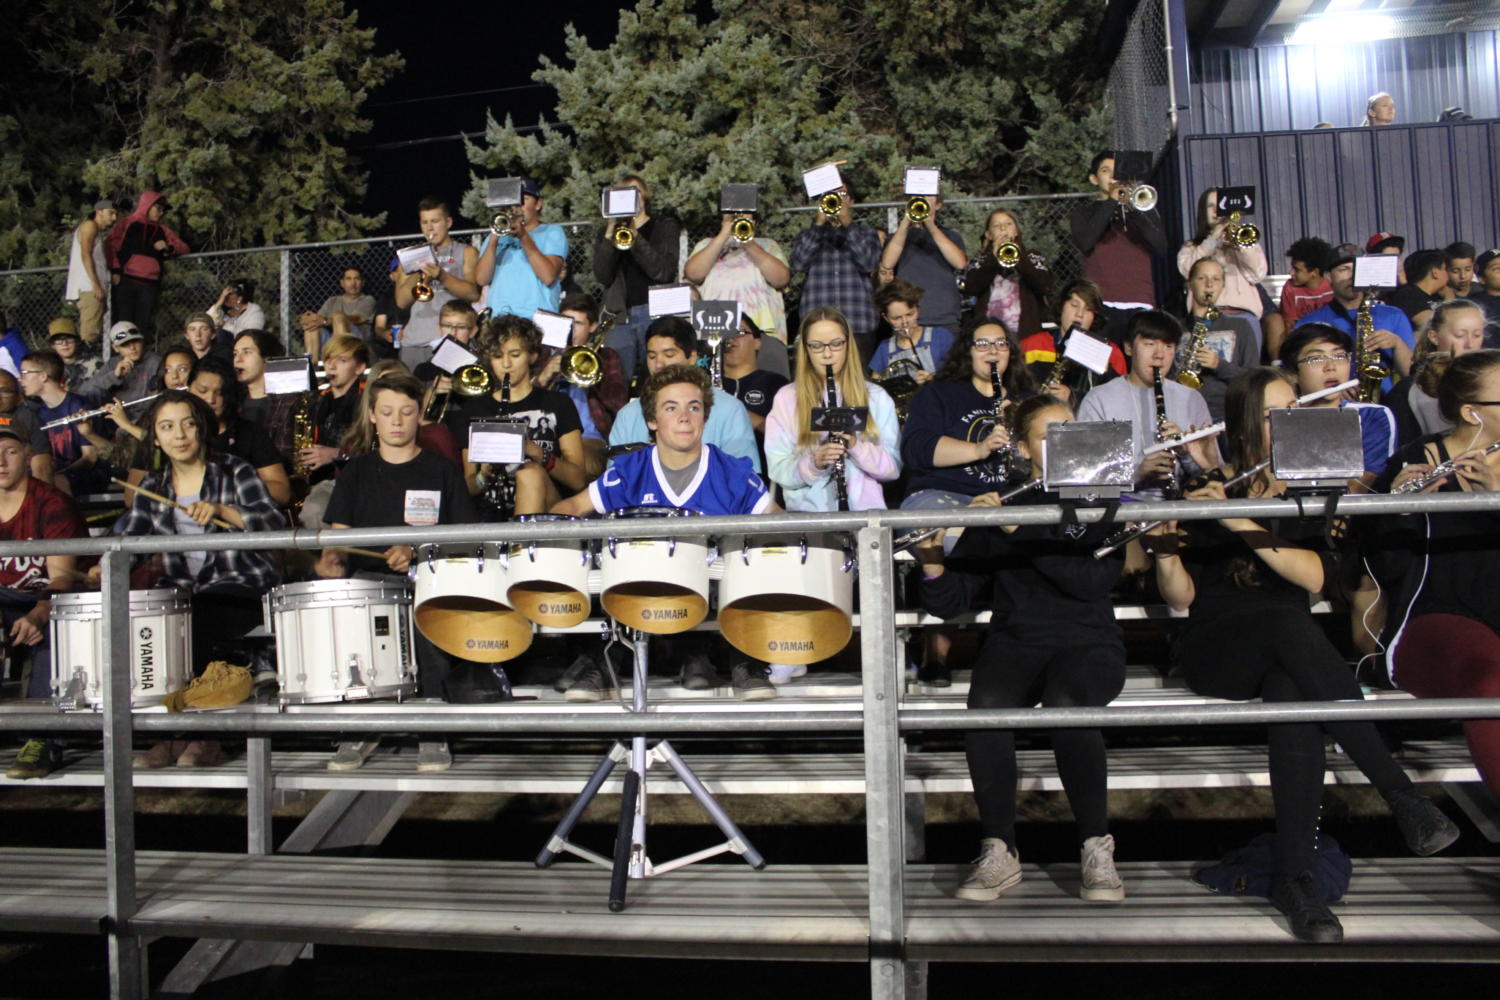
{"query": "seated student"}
[(1456, 328), (171, 373), (1426, 278), (235, 310), (62, 337), (682, 469), (596, 404), (275, 413), (1231, 344), (212, 381), (669, 341), (14, 414), (1487, 275), (927, 346), (554, 462), (457, 321), (1151, 339), (388, 473), (75, 447), (198, 331), (128, 375), (1319, 356), (1251, 635), (31, 509), (1305, 290), (1458, 261), (1392, 337), (1052, 639), (744, 379), (807, 464), (1079, 306), (1441, 637), (345, 358), (204, 488), (955, 446), (348, 313)]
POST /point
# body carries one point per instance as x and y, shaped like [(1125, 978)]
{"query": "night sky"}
[(456, 49)]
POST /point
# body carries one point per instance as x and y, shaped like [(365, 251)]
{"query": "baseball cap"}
[(1344, 253), (529, 186), (1380, 241), (124, 332), (63, 326), (1484, 260), (103, 205), (8, 430)]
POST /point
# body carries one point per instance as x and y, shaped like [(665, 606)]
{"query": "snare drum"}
[(657, 585), (788, 598), (161, 647), (462, 605), (549, 580), (343, 640)]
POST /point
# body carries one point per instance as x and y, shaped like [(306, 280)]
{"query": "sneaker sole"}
[(987, 895), (334, 765), (1103, 895), (1444, 841), (756, 694), (430, 768), (572, 695)]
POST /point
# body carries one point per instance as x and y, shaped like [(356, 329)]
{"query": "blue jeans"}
[(938, 500), (628, 338)]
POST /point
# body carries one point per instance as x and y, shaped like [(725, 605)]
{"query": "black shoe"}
[(581, 665), (1309, 917), (1422, 823), (752, 681), (698, 674), (37, 759), (935, 673), (590, 685)]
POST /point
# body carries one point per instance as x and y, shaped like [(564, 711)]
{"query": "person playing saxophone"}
[(1219, 346)]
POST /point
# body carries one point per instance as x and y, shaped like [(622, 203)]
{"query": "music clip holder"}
[(502, 192), (1089, 460), (739, 198), (1317, 449), (839, 419)]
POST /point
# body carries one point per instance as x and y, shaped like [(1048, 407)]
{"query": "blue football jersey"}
[(723, 484)]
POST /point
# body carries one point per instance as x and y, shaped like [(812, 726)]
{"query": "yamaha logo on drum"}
[(487, 643), (789, 646), (663, 614), (146, 659), (572, 608)]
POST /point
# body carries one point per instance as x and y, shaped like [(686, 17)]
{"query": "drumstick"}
[(359, 552), (170, 502)]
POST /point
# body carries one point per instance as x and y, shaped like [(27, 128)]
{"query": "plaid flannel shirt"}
[(227, 480), (839, 261)]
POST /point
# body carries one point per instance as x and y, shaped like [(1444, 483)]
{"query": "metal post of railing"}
[(259, 789), (127, 967), (292, 344), (885, 853)]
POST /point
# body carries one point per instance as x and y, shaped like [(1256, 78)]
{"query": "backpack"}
[(1249, 870)]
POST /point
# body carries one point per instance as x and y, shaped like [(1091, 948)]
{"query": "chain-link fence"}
[(1139, 82), (289, 279)]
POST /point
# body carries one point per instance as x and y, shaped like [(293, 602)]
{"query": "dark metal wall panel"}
[(1276, 87), (1431, 183)]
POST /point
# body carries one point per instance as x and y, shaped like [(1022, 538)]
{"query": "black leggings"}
[(136, 301), (1012, 674), (1280, 654)]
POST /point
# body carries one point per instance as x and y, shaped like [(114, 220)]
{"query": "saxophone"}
[(1369, 369), (498, 490), (1190, 372), (304, 433)]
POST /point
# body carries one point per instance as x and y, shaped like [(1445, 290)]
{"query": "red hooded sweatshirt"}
[(130, 247)]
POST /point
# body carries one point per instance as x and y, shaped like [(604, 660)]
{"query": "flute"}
[(91, 414), (1131, 534), (1215, 428), (1438, 473), (906, 541)]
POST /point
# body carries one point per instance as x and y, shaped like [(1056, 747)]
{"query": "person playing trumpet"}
[(453, 273), (626, 275), (927, 255), (838, 254), (1117, 243), (752, 273), (1016, 292), (524, 263)]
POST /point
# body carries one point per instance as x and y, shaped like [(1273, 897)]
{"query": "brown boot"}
[(200, 753), (160, 755)]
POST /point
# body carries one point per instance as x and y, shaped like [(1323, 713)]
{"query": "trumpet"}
[(624, 236), (1140, 196), (503, 222), (1246, 235), (422, 291), (91, 414), (1008, 255), (743, 229), (831, 204), (918, 209)]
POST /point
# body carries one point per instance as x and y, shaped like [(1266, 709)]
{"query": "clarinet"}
[(840, 482), (1169, 489), (1006, 457), (500, 487)]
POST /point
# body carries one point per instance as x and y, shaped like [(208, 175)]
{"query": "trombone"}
[(468, 381), (743, 229), (582, 365), (918, 209)]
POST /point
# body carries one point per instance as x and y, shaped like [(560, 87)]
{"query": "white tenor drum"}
[(161, 647), (549, 580), (788, 598), (656, 585), (343, 640), (462, 603)]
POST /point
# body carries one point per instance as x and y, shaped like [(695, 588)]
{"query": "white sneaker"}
[(1101, 883), (352, 756), (996, 869), (785, 673), (433, 755)]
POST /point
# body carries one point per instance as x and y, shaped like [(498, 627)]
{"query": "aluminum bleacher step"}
[(1396, 910), (764, 773)]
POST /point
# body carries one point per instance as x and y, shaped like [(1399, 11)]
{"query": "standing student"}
[(1117, 243), (1251, 635), (524, 265), (453, 273), (1015, 294), (1053, 640), (839, 255), (627, 275), (391, 481), (929, 256), (752, 273), (88, 270), (136, 248), (1244, 268)]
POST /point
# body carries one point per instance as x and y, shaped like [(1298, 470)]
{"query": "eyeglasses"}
[(1319, 360), (826, 347), (991, 345), (456, 327), (32, 371)]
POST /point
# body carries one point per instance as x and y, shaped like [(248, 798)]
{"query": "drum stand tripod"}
[(630, 860)]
